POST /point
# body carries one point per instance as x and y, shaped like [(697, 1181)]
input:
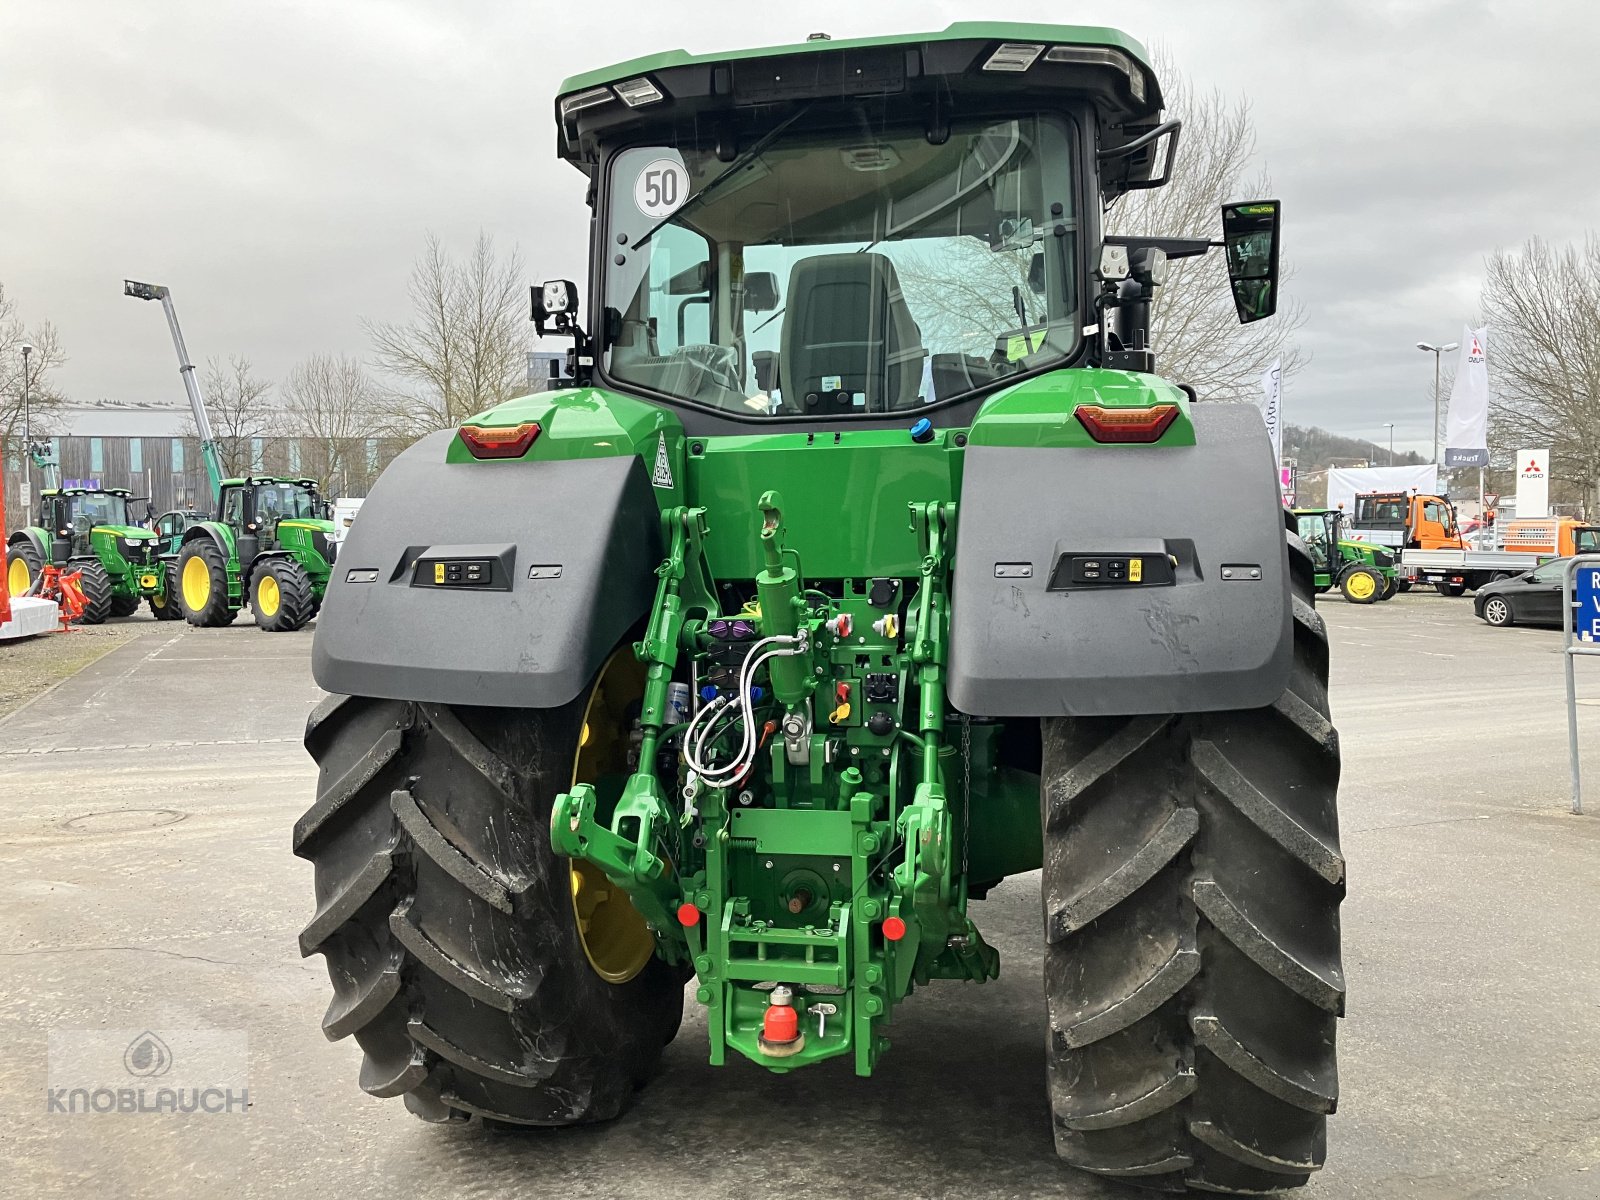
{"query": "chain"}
[(966, 789)]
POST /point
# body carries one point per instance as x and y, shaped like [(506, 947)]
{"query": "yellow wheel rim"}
[(196, 584), (616, 940), (18, 581), (268, 599), (1361, 586)]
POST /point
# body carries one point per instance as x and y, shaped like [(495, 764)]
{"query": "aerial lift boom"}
[(197, 405)]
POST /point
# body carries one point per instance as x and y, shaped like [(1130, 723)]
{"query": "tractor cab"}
[(868, 233), (256, 507), (1319, 530), (79, 520), (170, 526)]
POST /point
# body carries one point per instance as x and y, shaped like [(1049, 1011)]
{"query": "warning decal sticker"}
[(662, 476)]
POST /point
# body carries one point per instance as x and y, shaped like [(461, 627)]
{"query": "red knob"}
[(894, 928), (781, 1024), (688, 914)]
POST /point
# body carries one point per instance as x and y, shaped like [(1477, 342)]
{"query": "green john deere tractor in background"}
[(1362, 572), (89, 529), (269, 547), (864, 564)]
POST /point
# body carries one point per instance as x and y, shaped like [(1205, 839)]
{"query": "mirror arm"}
[(1171, 130)]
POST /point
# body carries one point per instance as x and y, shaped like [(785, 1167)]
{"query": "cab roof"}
[(972, 66), (994, 31), (302, 481), (83, 491)]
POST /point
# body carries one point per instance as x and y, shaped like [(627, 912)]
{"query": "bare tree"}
[(1542, 306), (465, 348), (333, 404), (240, 410), (43, 396), (1194, 328)]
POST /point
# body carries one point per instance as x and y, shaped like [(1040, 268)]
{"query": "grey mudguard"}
[(534, 642), (1218, 638)]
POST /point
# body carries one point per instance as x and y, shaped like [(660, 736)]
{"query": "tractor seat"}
[(849, 341)]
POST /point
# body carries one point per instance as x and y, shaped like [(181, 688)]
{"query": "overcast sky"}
[(277, 163)]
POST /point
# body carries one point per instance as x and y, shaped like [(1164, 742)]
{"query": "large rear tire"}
[(97, 598), (449, 924), (24, 568), (124, 605), (203, 584), (1192, 881)]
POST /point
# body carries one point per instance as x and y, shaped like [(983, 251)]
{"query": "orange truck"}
[(1558, 536), (1424, 530), (1406, 521)]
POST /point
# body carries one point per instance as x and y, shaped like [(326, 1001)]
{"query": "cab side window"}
[(233, 507)]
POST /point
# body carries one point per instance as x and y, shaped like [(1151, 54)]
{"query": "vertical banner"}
[(1466, 426), (1272, 407), (1533, 483)]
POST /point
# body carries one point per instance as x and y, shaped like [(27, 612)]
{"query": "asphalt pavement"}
[(147, 884)]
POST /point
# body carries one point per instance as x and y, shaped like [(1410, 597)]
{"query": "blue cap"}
[(708, 692), (756, 693), (922, 431)]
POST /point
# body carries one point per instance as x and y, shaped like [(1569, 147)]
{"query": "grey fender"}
[(1219, 635), (572, 547)]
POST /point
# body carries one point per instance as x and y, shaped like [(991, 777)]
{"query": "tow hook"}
[(780, 1027)]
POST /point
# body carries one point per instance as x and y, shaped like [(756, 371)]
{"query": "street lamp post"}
[(1389, 425), (27, 441), (1438, 352)]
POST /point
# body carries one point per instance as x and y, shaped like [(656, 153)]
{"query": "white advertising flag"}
[(1271, 406), (1466, 436), (1533, 483)]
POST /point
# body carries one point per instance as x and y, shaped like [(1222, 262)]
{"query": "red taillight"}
[(1126, 424), (507, 441)]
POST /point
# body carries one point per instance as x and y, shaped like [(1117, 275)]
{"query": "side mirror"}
[(760, 291), (766, 365), (555, 303), (1250, 240), (691, 281)]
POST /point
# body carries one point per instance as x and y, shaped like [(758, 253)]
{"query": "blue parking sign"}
[(1586, 606)]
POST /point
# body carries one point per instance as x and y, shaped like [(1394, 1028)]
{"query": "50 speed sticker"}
[(661, 188)]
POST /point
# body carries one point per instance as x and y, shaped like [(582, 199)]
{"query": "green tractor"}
[(89, 529), (865, 563), (1363, 573), (269, 547)]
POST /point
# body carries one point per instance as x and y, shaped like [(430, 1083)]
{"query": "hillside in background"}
[(1313, 448)]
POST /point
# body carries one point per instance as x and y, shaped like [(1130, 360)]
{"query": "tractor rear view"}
[(865, 564), (269, 548)]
